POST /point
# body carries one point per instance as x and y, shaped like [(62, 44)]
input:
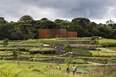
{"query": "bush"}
[(94, 42), (67, 48), (24, 49), (97, 60), (42, 50), (81, 52), (26, 45), (8, 49), (109, 44), (79, 61)]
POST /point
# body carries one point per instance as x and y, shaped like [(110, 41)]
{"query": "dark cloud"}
[(53, 9)]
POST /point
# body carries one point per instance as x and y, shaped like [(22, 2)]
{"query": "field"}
[(39, 58)]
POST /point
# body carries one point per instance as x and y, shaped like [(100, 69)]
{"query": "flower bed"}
[(85, 47), (42, 50)]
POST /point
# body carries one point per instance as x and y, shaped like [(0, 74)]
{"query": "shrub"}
[(24, 49), (79, 61), (67, 48), (42, 50), (81, 52), (108, 44), (9, 49), (26, 45), (94, 42)]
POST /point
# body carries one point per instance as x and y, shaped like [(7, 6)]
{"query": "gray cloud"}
[(52, 9)]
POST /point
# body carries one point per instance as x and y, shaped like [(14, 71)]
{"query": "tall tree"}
[(80, 21), (25, 18), (24, 29), (47, 24)]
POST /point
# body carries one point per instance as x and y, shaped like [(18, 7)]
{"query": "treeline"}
[(28, 28)]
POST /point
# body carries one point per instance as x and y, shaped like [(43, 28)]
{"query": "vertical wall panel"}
[(53, 33)]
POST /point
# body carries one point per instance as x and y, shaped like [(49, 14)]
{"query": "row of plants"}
[(81, 52), (106, 50), (78, 38), (86, 47), (42, 50), (52, 41), (100, 60), (83, 46), (108, 44), (8, 49), (26, 45), (79, 61)]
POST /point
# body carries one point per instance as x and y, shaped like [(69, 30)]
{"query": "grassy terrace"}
[(107, 40), (35, 58)]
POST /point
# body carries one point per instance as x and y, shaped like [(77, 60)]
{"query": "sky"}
[(98, 11)]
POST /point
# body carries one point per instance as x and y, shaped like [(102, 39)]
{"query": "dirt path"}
[(93, 63), (46, 45)]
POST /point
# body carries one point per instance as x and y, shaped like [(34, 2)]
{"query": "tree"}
[(14, 54), (80, 21), (44, 19), (58, 23), (109, 22), (81, 32), (47, 24), (24, 29), (5, 42), (65, 24), (25, 18), (67, 48)]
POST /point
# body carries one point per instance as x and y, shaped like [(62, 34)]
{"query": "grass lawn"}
[(37, 69), (107, 40), (95, 52), (112, 48)]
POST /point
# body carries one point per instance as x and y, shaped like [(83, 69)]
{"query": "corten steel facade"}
[(54, 33)]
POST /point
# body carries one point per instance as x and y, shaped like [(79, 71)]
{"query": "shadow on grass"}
[(36, 70)]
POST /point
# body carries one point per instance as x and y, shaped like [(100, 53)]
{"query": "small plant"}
[(67, 48), (14, 54)]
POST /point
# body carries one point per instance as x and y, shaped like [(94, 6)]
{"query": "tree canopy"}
[(28, 28)]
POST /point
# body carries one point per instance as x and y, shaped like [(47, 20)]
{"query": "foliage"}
[(107, 50), (94, 38), (42, 50), (81, 52), (67, 48), (26, 45), (9, 49), (102, 54), (68, 60), (78, 61), (5, 42), (108, 44), (26, 18), (28, 28), (14, 54), (94, 42)]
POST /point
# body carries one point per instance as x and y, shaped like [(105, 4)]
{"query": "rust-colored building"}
[(56, 33)]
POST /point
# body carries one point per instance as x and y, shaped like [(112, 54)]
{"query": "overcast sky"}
[(98, 11)]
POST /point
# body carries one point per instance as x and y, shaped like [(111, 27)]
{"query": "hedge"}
[(42, 50), (108, 44), (26, 45), (8, 49), (78, 61), (81, 52)]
